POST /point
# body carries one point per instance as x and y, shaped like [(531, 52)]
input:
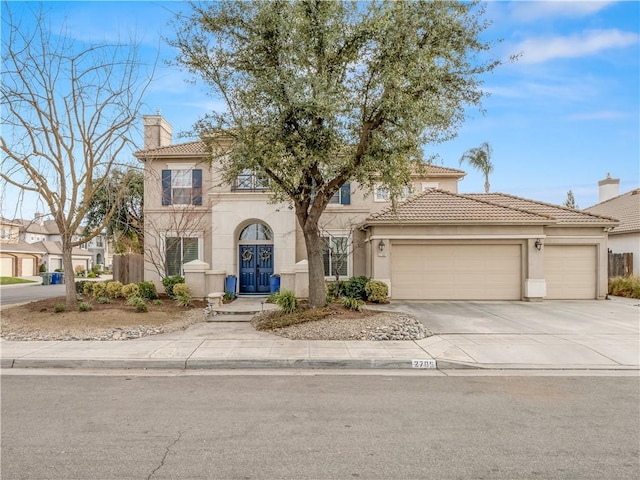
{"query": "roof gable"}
[(625, 207), (563, 215), (439, 206)]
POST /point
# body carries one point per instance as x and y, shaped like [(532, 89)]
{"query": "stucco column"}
[(535, 285), (194, 277)]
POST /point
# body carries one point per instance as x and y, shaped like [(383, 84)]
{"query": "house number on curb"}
[(423, 363)]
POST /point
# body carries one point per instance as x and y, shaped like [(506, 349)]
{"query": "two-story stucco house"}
[(438, 244)]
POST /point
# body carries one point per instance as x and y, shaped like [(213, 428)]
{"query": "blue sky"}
[(560, 118)]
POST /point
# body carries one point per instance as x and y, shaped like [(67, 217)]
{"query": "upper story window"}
[(381, 194), (182, 187), (429, 185), (250, 180), (99, 241), (342, 196), (6, 233)]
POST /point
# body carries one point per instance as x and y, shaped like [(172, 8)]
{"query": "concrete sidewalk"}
[(232, 342)]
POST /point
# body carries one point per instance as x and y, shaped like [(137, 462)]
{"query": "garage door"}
[(570, 271), (456, 272), (6, 267), (27, 267)]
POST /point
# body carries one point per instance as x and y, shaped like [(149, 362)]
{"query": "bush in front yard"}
[(625, 286), (377, 291), (169, 282), (114, 289), (183, 294), (130, 290), (286, 300), (147, 290), (355, 288)]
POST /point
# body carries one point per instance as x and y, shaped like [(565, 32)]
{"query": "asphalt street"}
[(29, 293), (319, 427)]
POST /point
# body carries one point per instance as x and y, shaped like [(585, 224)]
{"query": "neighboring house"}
[(45, 236), (625, 237), (17, 257), (436, 245)]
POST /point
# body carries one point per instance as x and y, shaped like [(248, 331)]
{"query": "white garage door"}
[(6, 267), (456, 272), (27, 267), (570, 271)]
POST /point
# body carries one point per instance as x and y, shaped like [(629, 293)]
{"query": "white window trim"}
[(406, 193), (199, 235), (428, 185), (348, 236)]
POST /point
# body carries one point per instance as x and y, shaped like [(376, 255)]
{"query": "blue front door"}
[(256, 267)]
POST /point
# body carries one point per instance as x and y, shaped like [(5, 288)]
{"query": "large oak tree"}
[(67, 113), (319, 93)]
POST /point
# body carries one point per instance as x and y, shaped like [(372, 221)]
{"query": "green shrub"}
[(130, 290), (43, 268), (91, 275), (377, 291), (103, 300), (228, 297), (85, 307), (58, 307), (114, 289), (147, 290), (286, 300), (169, 282), (87, 288), (355, 288), (99, 289), (141, 306), (80, 287), (336, 289), (156, 301), (625, 286), (182, 294), (96, 270), (353, 303)]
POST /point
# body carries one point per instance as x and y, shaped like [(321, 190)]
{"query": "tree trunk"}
[(69, 279), (313, 242)]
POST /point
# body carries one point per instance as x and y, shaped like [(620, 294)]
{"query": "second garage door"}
[(570, 271), (456, 272)]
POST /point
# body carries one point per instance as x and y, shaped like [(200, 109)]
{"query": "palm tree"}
[(480, 158)]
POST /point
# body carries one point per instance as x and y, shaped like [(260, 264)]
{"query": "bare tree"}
[(68, 110)]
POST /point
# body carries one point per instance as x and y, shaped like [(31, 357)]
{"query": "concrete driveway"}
[(619, 316), (558, 334)]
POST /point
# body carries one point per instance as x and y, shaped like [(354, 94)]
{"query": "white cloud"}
[(538, 50), (532, 11)]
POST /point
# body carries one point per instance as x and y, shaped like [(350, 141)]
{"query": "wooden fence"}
[(620, 264), (128, 268)]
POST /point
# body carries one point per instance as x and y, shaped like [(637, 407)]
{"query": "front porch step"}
[(231, 317)]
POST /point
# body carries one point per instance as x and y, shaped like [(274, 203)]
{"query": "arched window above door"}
[(256, 231)]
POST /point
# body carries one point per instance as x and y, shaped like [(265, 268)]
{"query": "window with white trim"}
[(178, 251), (429, 185), (381, 193), (335, 256)]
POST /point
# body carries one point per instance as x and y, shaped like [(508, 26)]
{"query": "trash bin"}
[(55, 278), (46, 279), (274, 283), (61, 279), (230, 285)]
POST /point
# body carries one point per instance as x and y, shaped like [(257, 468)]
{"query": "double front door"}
[(256, 268)]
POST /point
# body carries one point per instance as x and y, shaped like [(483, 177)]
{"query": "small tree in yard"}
[(67, 112), (319, 93)]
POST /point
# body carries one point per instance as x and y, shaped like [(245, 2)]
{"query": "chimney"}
[(609, 188), (157, 131), (39, 218)]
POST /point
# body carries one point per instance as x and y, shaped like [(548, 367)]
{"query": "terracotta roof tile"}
[(439, 170), (196, 147), (562, 214), (625, 208), (439, 206)]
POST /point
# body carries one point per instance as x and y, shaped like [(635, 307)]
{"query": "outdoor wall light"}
[(538, 244), (381, 245)]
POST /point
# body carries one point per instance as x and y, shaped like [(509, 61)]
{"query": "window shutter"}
[(345, 194), (166, 187), (196, 185)]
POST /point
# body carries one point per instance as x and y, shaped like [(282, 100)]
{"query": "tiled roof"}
[(439, 206), (195, 148), (563, 215), (56, 249), (21, 247), (438, 170), (625, 208)]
